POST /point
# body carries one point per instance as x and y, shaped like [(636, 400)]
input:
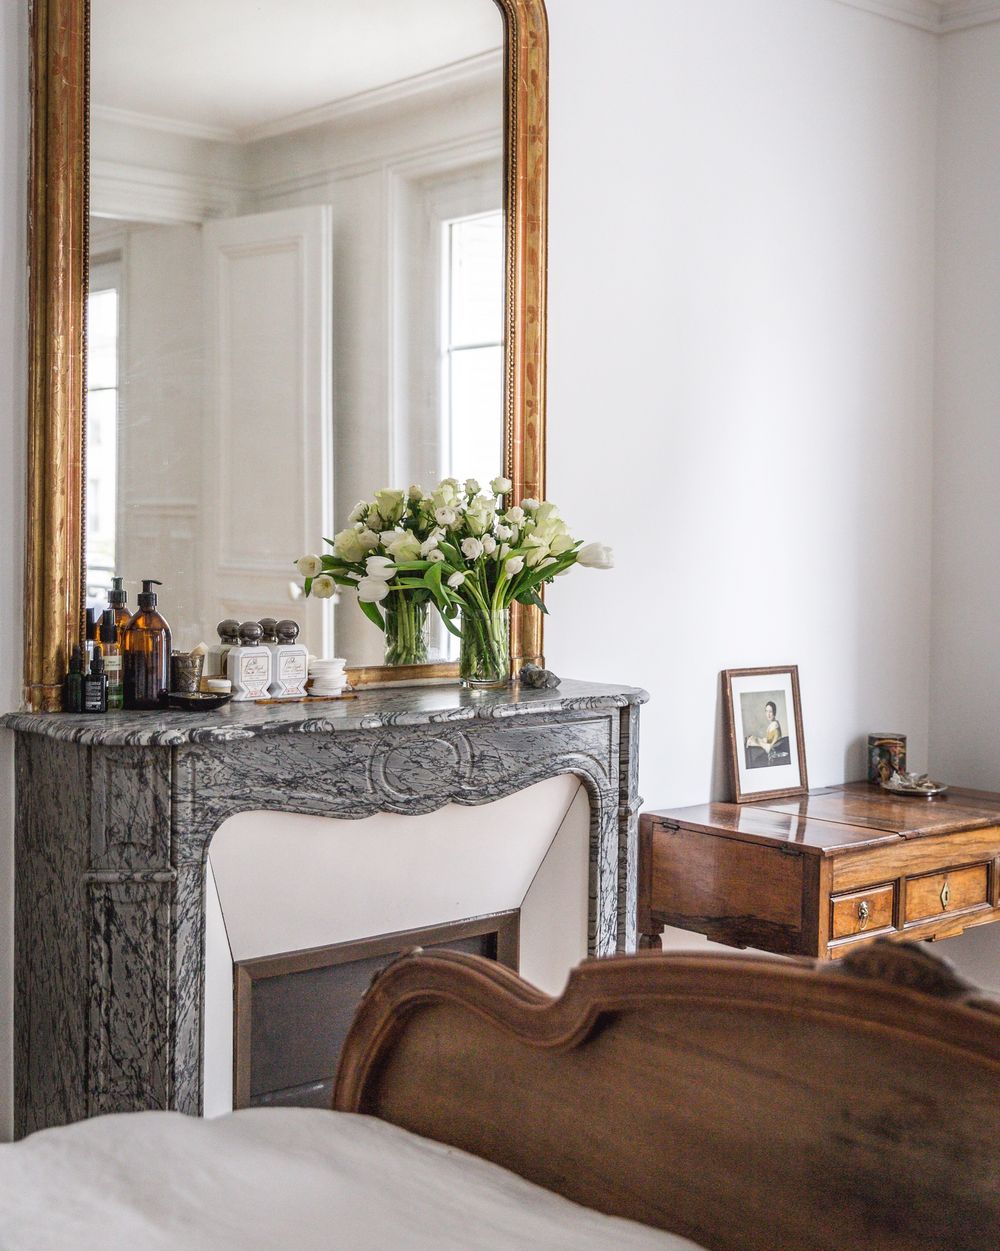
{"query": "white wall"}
[(965, 674), (13, 181), (741, 334)]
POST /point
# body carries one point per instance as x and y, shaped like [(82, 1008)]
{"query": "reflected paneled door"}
[(269, 420)]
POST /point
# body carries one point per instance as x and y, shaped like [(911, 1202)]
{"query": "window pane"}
[(477, 280), (102, 469), (476, 408), (102, 339)]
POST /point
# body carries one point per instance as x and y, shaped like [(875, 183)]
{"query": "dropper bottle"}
[(146, 653)]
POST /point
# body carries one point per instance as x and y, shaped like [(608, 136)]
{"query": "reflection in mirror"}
[(296, 289)]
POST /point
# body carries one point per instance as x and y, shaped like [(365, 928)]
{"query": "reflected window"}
[(103, 319), (472, 365)]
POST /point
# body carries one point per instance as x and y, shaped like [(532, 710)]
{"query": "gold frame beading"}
[(57, 285)]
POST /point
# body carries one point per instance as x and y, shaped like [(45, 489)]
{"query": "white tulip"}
[(435, 556), (471, 486), (456, 580), (357, 513), (323, 586), (596, 556), (472, 549), (489, 544), (446, 517), (380, 567), (500, 486), (514, 515), (530, 505), (372, 590), (309, 566), (514, 566)]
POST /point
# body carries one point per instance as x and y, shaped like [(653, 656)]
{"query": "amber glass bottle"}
[(146, 653)]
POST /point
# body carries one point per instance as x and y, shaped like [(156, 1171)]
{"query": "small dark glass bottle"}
[(73, 689), (146, 653), (95, 684)]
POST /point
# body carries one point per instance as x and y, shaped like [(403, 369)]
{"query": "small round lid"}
[(288, 631), (229, 630), (251, 634), (268, 624)]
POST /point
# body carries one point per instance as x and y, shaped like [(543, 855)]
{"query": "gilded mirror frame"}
[(57, 256)]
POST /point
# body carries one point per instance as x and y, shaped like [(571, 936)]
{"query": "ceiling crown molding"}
[(937, 16)]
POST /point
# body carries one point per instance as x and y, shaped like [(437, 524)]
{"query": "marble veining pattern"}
[(116, 816)]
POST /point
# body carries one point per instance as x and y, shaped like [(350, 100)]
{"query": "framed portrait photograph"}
[(767, 750)]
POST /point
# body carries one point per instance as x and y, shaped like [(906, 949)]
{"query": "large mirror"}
[(311, 265)]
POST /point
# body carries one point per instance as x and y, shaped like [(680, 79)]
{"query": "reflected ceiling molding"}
[(937, 16), (164, 125), (486, 67), (139, 194)]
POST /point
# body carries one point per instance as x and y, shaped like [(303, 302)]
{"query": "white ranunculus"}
[(529, 505), (323, 586), (430, 544), (446, 517), (472, 549), (405, 546), (471, 486), (514, 566), (515, 516), (380, 567), (372, 590), (416, 492), (390, 504), (503, 532), (500, 486), (357, 513), (489, 544), (309, 566), (435, 556), (596, 556), (456, 580)]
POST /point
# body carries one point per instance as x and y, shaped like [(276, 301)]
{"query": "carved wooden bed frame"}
[(742, 1102)]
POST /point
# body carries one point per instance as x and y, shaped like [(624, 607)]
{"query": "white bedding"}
[(293, 1178)]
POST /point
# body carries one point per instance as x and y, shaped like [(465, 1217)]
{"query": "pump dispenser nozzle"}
[(116, 597), (147, 596)]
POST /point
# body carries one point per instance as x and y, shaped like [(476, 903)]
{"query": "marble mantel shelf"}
[(371, 710), (115, 815)]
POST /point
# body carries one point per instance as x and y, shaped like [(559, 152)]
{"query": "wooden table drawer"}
[(952, 890), (861, 911)]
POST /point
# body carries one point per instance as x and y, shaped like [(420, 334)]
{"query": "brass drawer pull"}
[(864, 912), (945, 894)]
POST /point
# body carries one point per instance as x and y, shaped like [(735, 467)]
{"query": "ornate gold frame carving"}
[(57, 283)]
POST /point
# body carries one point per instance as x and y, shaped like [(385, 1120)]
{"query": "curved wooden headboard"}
[(743, 1102)]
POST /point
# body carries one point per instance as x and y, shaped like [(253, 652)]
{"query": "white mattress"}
[(293, 1178)]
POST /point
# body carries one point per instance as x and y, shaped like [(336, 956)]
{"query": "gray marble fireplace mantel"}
[(115, 815)]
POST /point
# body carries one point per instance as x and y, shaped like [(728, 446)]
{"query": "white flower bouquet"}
[(463, 550)]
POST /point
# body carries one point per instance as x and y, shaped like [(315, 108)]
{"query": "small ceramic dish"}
[(197, 701), (913, 784)]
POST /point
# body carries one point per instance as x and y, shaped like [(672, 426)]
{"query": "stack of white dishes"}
[(327, 677)]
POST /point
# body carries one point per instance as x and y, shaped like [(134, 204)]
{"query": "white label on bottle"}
[(255, 673), (113, 668)]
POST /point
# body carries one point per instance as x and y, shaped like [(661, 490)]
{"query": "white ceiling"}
[(234, 65)]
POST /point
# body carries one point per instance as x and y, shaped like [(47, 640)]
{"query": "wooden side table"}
[(821, 874)]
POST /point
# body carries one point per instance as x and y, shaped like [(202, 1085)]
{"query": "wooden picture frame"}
[(764, 737)]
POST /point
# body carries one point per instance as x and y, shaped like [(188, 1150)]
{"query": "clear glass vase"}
[(484, 657), (406, 633)]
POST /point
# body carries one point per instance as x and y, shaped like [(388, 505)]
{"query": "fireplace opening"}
[(292, 1011)]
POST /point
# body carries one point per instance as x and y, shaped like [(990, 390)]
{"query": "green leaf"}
[(308, 586), (372, 613)]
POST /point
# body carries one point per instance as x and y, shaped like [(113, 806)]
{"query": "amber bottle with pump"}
[(146, 653)]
